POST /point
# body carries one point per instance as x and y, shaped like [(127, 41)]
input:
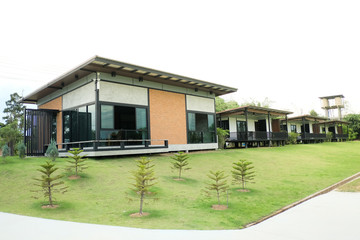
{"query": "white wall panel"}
[(200, 104), (121, 93), (232, 124), (79, 96)]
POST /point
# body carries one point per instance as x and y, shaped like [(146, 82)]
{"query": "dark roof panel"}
[(100, 64)]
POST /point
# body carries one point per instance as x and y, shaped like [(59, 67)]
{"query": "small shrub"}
[(222, 135), (52, 152), (329, 136), (5, 151), (180, 162), (21, 150), (293, 137)]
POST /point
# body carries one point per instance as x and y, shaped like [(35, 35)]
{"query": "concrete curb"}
[(325, 190)]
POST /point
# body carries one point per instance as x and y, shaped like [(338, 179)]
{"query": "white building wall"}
[(200, 104), (232, 124), (79, 96), (251, 125), (121, 93)]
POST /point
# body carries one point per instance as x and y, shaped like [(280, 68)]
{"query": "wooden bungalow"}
[(253, 126)]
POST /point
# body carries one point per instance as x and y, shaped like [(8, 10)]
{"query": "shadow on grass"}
[(152, 214), (63, 206), (185, 181), (83, 176)]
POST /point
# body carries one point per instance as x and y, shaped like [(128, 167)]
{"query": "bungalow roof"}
[(254, 109), (308, 118), (100, 64)]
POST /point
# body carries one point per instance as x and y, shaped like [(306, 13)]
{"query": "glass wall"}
[(201, 128), (123, 123), (79, 124)]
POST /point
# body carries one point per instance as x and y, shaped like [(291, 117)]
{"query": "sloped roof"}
[(308, 118), (100, 64), (253, 109)]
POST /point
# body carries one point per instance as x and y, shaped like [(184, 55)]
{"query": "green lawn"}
[(283, 175)]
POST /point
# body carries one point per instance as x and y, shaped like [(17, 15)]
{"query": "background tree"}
[(11, 134), (48, 183), (14, 110), (354, 123), (242, 173), (222, 135), (222, 105), (253, 102), (52, 152), (218, 184), (144, 178), (314, 113), (180, 162), (77, 161)]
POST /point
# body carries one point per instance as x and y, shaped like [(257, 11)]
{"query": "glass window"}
[(83, 124), (241, 126), (66, 126), (211, 122), (53, 127), (107, 116), (191, 121), (293, 128), (123, 123), (224, 124), (91, 121), (124, 118), (201, 128), (141, 119)]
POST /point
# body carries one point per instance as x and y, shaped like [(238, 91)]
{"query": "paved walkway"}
[(334, 215)]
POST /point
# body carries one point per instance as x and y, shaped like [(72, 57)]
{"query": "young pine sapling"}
[(49, 183), (144, 178), (77, 161), (243, 173), (180, 162), (218, 184)]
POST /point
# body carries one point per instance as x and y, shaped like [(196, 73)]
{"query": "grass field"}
[(283, 175)]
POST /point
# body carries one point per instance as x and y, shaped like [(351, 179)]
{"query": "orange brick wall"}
[(167, 116), (56, 104)]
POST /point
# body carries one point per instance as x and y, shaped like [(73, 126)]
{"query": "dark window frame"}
[(192, 138)]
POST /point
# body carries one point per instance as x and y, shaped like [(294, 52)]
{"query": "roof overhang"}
[(255, 110), (337, 122), (100, 64), (332, 97), (307, 118)]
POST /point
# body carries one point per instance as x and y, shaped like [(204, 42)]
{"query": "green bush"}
[(329, 136), (21, 150), (222, 135), (5, 151), (293, 137), (52, 151)]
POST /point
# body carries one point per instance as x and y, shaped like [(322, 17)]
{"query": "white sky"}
[(289, 51)]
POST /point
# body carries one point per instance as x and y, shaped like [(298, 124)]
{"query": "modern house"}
[(312, 129), (253, 126), (109, 107)]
